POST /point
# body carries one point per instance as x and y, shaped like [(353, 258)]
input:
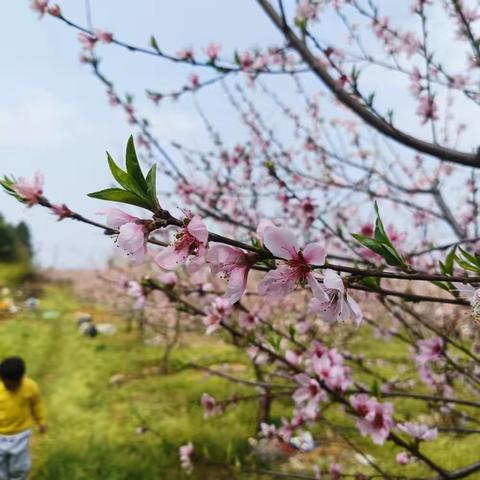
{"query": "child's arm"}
[(38, 410)]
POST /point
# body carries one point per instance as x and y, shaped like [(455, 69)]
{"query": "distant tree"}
[(15, 241)]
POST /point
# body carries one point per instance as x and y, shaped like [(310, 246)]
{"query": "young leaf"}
[(122, 196), (133, 167), (447, 267), (124, 179), (152, 186)]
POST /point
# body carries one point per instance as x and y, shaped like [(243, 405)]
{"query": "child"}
[(20, 407)]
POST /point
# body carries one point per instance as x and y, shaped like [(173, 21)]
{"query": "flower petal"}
[(314, 254), (281, 242), (197, 228), (333, 281), (131, 237), (170, 259)]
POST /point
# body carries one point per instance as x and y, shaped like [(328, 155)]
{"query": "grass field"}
[(94, 422)]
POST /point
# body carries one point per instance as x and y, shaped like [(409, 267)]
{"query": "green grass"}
[(14, 274), (93, 423)]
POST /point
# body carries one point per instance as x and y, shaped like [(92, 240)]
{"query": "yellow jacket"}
[(19, 410)]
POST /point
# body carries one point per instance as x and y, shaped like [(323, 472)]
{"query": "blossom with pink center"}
[(104, 37), (39, 6), (375, 418), (235, 264), (293, 357), (339, 305), (61, 211), (427, 109), (332, 372), (335, 471), (297, 268), (190, 240), (186, 452), (88, 41), (268, 431), (257, 355), (309, 395), (216, 312), (403, 458), (30, 192), (210, 405), (133, 232), (418, 431), (55, 11), (307, 10), (248, 320), (212, 51), (194, 81), (430, 350)]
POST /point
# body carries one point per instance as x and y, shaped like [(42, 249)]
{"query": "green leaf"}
[(154, 44), (389, 254), (443, 285), (122, 196), (371, 282), (447, 267), (133, 167), (152, 186), (380, 233), (124, 179)]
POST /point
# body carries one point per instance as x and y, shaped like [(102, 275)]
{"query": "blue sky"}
[(54, 115)]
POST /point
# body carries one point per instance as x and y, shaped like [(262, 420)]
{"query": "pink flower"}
[(186, 54), (210, 406), (297, 268), (216, 312), (403, 458), (104, 37), (330, 369), (430, 350), (212, 51), (135, 290), (307, 10), (375, 417), (62, 211), (339, 305), (55, 11), (186, 452), (335, 471), (39, 6), (133, 232), (418, 431), (248, 320), (88, 41), (257, 356), (235, 264), (262, 226), (30, 192), (194, 80), (308, 395), (168, 278), (427, 109), (190, 240)]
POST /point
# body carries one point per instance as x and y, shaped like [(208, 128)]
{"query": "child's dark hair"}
[(12, 368)]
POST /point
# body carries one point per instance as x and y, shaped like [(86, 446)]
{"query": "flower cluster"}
[(374, 418)]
